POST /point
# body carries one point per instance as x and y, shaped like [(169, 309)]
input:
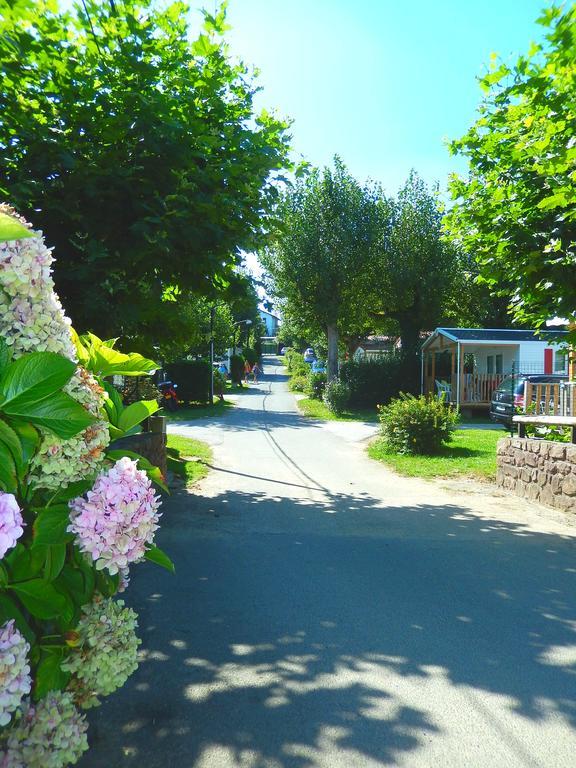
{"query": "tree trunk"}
[(332, 335)]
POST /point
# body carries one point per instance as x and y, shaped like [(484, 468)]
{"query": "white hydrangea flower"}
[(107, 650), (15, 680), (49, 734)]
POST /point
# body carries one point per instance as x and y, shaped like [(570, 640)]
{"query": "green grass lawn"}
[(316, 409), (188, 458), (199, 410), (472, 453)]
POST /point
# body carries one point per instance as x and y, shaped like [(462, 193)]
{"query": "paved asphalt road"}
[(328, 614)]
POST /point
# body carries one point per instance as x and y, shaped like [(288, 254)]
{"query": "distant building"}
[(271, 322)]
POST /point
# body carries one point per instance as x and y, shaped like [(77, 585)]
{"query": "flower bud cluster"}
[(15, 680), (11, 522), (48, 734), (107, 650)]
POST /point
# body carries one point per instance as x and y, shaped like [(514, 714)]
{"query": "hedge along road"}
[(327, 613)]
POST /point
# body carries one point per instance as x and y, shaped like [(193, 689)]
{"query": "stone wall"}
[(539, 470)]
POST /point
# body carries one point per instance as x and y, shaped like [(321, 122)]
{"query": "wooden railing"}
[(550, 399), (474, 387)]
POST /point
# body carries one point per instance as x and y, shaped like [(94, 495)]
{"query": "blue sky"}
[(380, 82)]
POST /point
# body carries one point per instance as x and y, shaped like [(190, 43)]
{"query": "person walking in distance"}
[(256, 372), (247, 371)]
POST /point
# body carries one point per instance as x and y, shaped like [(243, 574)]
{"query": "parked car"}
[(510, 394), (318, 367), (309, 355)]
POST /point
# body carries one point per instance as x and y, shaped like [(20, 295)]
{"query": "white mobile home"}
[(468, 364)]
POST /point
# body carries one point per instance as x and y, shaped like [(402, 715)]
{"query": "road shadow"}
[(274, 651)]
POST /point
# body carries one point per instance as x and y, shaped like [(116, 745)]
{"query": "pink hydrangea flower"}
[(15, 680), (117, 518), (11, 522)]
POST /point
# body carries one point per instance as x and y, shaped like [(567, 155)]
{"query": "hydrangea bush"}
[(75, 515)]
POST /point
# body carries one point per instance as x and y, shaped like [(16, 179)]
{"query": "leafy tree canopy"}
[(516, 211), (135, 150), (320, 257)]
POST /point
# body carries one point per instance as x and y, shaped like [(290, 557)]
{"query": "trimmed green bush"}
[(193, 379), (336, 395), (376, 382), (315, 385), (298, 383), (417, 425), (237, 369)]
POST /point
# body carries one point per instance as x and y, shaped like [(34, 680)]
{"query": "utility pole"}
[(212, 313)]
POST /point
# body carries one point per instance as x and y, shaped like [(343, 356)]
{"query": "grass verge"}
[(472, 453), (316, 409), (199, 411), (188, 458)]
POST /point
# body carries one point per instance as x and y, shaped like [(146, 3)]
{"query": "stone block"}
[(563, 467), (526, 475), (557, 451), (518, 443), (556, 484), (547, 497), (544, 448), (531, 459), (565, 503), (569, 485), (571, 454)]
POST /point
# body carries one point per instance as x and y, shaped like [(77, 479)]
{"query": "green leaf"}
[(50, 526), (5, 355), (134, 414), (105, 361), (33, 378), (11, 440), (72, 491), (113, 403), (9, 610), (107, 584), (11, 229), (29, 440), (40, 598), (156, 555), (8, 478), (81, 351), (59, 413), (49, 674), (55, 558), (153, 472)]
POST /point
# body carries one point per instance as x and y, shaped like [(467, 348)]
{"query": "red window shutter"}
[(548, 357)]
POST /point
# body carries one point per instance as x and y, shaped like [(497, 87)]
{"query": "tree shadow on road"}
[(290, 651)]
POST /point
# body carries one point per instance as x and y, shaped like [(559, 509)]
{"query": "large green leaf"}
[(106, 361), (134, 414), (11, 440), (49, 674), (5, 355), (156, 555), (33, 378), (113, 403), (9, 610), (29, 440), (59, 413), (50, 525), (40, 598), (55, 559), (8, 479), (11, 229)]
